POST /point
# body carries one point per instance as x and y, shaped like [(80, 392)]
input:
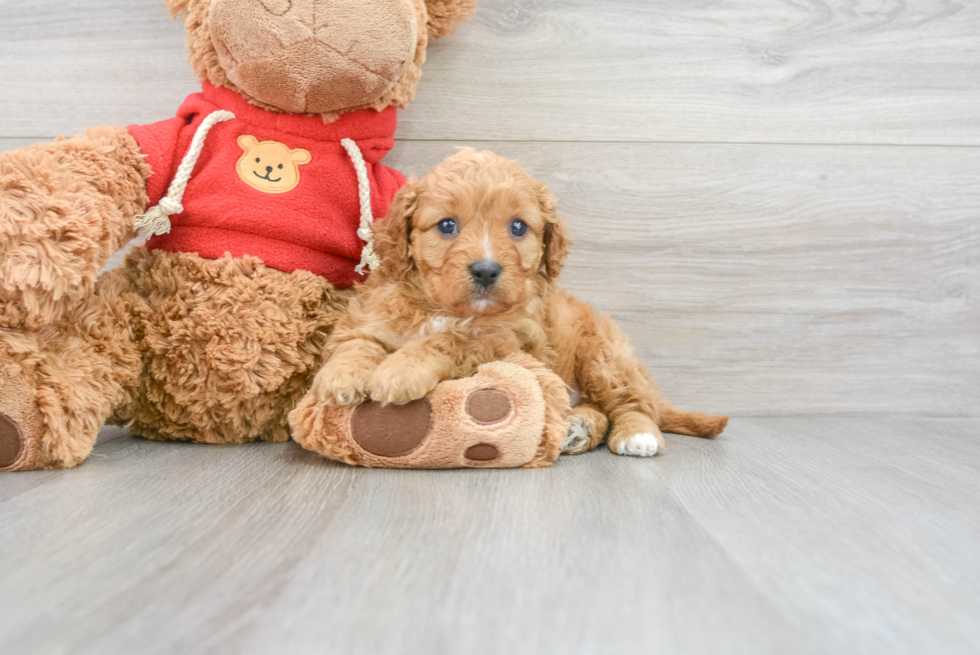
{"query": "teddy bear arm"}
[(65, 208)]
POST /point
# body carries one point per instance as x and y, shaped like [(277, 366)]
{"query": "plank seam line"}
[(694, 143), (966, 146)]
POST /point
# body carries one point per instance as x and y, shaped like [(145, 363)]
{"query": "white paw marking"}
[(639, 445), (577, 437)]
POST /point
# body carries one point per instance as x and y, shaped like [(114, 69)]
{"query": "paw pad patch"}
[(11, 441), (399, 430), (391, 430), (488, 406)]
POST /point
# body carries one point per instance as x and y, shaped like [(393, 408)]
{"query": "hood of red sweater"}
[(279, 187)]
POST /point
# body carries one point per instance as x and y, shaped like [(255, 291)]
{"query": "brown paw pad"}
[(391, 430), (482, 452), (489, 406), (11, 441)]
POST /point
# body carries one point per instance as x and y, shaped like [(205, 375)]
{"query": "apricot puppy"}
[(470, 255)]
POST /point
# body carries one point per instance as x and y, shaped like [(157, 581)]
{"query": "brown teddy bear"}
[(257, 200)]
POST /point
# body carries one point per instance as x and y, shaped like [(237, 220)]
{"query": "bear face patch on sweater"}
[(270, 166), (314, 226)]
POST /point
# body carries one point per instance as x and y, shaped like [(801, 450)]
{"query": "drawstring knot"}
[(170, 207), (156, 220)]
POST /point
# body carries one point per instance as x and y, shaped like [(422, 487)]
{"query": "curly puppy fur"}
[(440, 18), (65, 208), (424, 317)]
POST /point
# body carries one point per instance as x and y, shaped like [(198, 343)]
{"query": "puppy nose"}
[(268, 169), (485, 272)]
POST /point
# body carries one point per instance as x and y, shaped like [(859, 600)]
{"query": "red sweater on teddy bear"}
[(280, 187)]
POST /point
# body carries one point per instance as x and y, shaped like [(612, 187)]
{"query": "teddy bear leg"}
[(21, 425), (59, 383), (510, 414), (229, 346)]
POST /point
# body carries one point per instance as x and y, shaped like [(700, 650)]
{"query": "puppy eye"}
[(518, 228), (258, 160), (280, 166), (447, 227)]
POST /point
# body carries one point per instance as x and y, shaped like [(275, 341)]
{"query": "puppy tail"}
[(694, 424)]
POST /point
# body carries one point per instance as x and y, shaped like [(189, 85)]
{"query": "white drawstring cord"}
[(369, 258), (157, 219)]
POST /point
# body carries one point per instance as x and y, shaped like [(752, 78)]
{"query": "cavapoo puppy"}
[(470, 256)]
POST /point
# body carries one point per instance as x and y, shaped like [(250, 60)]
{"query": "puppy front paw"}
[(335, 385), (398, 383)]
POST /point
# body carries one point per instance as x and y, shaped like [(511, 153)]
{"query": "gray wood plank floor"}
[(786, 535)]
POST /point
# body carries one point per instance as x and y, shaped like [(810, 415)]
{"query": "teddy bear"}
[(257, 202)]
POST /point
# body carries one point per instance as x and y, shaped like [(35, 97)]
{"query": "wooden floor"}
[(784, 536)]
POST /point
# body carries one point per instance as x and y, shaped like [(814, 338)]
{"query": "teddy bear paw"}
[(11, 441), (493, 419)]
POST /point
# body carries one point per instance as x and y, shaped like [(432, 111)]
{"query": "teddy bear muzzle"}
[(314, 56)]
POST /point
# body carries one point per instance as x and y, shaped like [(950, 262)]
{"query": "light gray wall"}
[(779, 201)]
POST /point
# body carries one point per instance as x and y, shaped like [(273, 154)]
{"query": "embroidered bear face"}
[(270, 166)]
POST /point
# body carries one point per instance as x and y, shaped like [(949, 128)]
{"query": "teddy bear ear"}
[(446, 15), (177, 7)]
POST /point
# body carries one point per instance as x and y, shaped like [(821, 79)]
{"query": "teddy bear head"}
[(316, 56)]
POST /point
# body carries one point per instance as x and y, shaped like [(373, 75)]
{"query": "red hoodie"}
[(279, 187)]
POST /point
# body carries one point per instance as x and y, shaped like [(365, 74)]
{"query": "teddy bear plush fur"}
[(174, 344)]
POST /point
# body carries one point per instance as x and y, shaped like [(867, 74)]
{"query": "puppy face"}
[(478, 233)]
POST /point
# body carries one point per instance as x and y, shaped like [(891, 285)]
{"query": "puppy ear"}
[(446, 15), (392, 234), (556, 242)]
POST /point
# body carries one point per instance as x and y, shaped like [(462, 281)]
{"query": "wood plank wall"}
[(778, 200)]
